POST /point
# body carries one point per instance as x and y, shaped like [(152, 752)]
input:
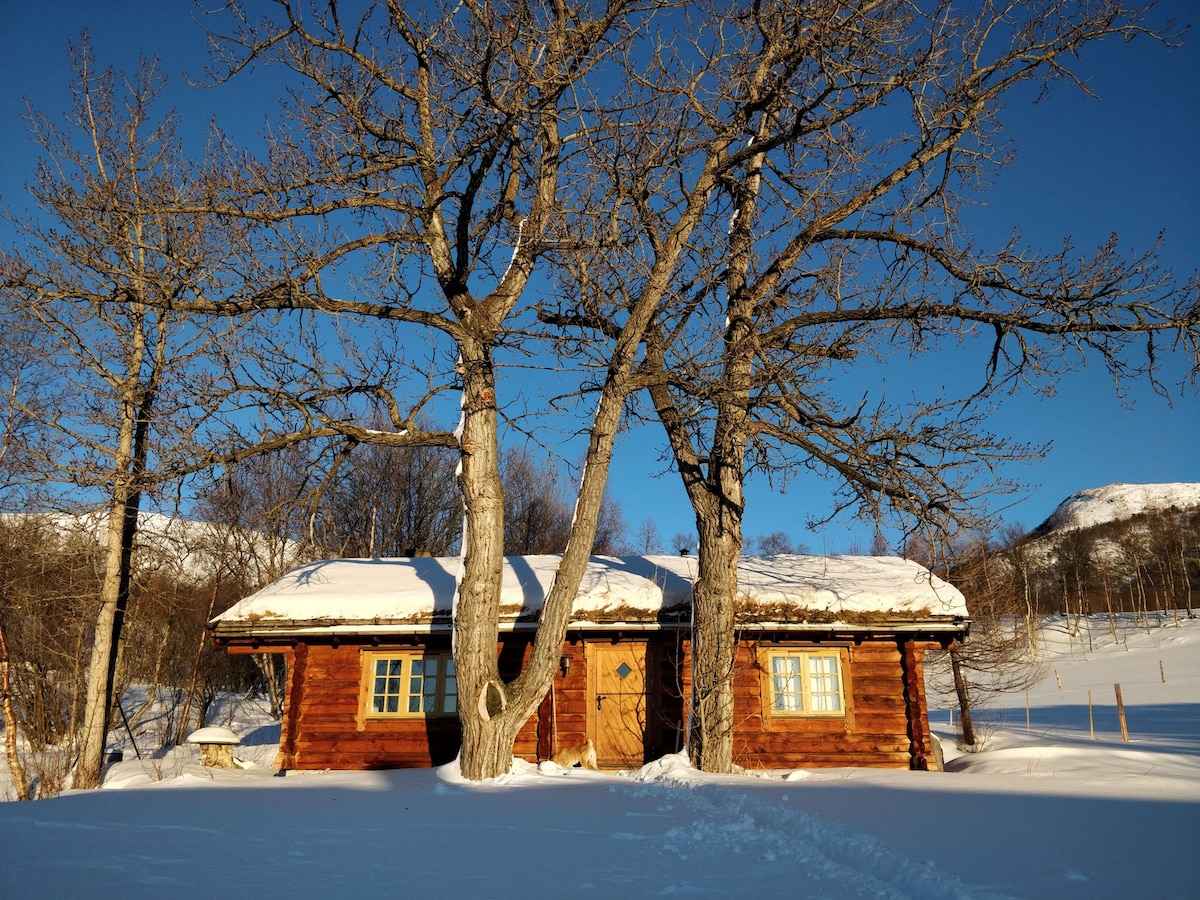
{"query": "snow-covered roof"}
[(393, 595)]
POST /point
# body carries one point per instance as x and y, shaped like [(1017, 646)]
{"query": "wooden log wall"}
[(876, 731), (321, 727), (883, 682), (914, 707), (563, 718)]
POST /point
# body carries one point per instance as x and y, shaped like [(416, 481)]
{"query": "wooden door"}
[(617, 711)]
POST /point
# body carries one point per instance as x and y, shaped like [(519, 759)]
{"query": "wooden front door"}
[(617, 711)]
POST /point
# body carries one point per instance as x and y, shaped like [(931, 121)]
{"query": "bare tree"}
[(537, 508), (836, 241), (646, 539), (388, 501), (128, 396), (683, 543), (109, 184), (260, 512), (48, 582), (10, 722), (999, 655), (777, 542), (258, 523), (470, 142), (537, 516), (132, 395), (21, 345), (9, 439), (610, 537)]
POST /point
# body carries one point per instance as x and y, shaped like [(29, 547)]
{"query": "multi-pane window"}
[(412, 685), (805, 683)]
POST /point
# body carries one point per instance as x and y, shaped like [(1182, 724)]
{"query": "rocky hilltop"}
[(1118, 502)]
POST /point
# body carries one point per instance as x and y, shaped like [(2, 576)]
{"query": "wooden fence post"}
[(1121, 714)]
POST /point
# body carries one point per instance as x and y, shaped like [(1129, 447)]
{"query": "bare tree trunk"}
[(182, 731), (130, 464), (962, 690), (20, 784), (488, 732), (719, 500), (101, 670), (710, 736), (156, 678)]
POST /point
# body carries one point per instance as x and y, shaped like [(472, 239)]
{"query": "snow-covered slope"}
[(1115, 502), (192, 549)]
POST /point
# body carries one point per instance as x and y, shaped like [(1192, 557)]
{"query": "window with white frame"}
[(410, 684), (806, 683)]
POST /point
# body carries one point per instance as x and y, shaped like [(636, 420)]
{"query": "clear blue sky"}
[(1127, 163)]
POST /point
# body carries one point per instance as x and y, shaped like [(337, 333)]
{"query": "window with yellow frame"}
[(410, 684), (805, 682)]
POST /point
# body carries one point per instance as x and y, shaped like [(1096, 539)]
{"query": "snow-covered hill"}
[(1116, 502), (190, 549)]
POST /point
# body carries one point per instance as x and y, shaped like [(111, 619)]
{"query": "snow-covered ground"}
[(1043, 811)]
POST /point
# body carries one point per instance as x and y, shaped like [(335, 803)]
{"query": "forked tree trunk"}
[(487, 746), (492, 712)]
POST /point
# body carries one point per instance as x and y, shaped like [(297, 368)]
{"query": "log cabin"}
[(828, 671)]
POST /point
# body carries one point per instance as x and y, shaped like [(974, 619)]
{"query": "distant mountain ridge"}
[(1116, 502)]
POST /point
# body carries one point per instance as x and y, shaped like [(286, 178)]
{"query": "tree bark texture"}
[(710, 733)]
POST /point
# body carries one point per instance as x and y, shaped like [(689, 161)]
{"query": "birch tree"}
[(104, 182), (126, 396)]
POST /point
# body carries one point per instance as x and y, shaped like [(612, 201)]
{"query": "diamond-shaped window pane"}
[(623, 670)]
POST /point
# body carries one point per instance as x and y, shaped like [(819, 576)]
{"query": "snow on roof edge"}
[(415, 591)]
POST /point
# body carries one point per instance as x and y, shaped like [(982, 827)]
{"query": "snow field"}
[(1046, 814)]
